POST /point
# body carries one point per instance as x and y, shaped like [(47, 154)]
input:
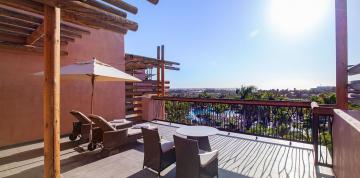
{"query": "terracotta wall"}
[(346, 144), (21, 92)]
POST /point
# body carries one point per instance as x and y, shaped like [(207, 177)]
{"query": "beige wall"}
[(21, 92), (346, 144)]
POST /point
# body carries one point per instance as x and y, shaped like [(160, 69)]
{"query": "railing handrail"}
[(322, 109), (305, 104)]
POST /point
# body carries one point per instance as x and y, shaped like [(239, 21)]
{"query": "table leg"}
[(204, 143)]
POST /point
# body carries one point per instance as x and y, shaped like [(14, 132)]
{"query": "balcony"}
[(257, 139), (241, 155)]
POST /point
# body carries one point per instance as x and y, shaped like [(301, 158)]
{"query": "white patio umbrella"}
[(93, 70)]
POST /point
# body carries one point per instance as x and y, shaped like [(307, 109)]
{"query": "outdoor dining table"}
[(199, 133)]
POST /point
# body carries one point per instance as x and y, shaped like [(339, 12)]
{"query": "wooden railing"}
[(286, 120), (322, 133)]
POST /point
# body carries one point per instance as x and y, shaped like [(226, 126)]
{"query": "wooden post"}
[(52, 92), (158, 72), (341, 54), (162, 71)]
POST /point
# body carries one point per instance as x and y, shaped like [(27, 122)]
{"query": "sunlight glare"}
[(297, 16)]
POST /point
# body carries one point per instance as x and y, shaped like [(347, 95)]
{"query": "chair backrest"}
[(187, 157), (152, 148), (102, 123), (80, 116)]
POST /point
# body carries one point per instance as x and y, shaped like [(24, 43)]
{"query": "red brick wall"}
[(21, 92)]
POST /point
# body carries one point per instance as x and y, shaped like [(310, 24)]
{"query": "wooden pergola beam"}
[(17, 22), (105, 7), (35, 35), (96, 19), (123, 5), (80, 9), (341, 54), (96, 13), (15, 29), (4, 36), (134, 57), (158, 74), (52, 92), (153, 1), (33, 49), (163, 70)]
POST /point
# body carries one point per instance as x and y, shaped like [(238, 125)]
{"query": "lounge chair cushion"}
[(166, 145), (208, 157), (139, 126), (119, 121)]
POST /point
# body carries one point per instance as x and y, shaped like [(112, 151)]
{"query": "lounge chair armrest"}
[(208, 157)]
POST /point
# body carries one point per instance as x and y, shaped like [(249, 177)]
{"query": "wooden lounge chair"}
[(81, 128), (111, 137), (158, 153), (190, 163)]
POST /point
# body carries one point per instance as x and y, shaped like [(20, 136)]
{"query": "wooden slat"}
[(32, 22), (129, 106), (135, 57), (341, 54), (52, 93), (69, 16), (8, 37), (153, 1), (15, 29), (133, 112), (16, 22), (70, 34), (17, 15), (123, 5), (354, 70), (74, 29), (132, 99), (105, 7), (355, 85), (80, 9), (139, 87), (154, 82)]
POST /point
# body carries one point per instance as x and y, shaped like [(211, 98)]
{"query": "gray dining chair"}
[(191, 162)]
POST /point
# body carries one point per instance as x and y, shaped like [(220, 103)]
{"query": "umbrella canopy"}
[(94, 70)]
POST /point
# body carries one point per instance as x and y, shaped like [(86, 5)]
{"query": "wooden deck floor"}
[(240, 156)]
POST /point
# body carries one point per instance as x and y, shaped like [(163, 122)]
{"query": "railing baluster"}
[(293, 121)]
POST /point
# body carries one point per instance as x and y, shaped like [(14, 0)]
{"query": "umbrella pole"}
[(92, 93), (92, 99)]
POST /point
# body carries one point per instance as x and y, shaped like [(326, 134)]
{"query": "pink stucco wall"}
[(21, 95), (346, 143)]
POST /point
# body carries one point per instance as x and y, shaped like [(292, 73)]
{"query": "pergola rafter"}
[(45, 25)]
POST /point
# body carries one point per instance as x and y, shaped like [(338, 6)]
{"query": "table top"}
[(197, 131)]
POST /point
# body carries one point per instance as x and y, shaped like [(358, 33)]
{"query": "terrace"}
[(240, 156), (257, 138)]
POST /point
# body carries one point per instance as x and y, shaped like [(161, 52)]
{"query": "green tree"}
[(246, 92)]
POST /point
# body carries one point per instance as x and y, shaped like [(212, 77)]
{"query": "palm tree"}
[(246, 92)]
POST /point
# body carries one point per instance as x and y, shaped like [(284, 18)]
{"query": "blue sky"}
[(244, 42)]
